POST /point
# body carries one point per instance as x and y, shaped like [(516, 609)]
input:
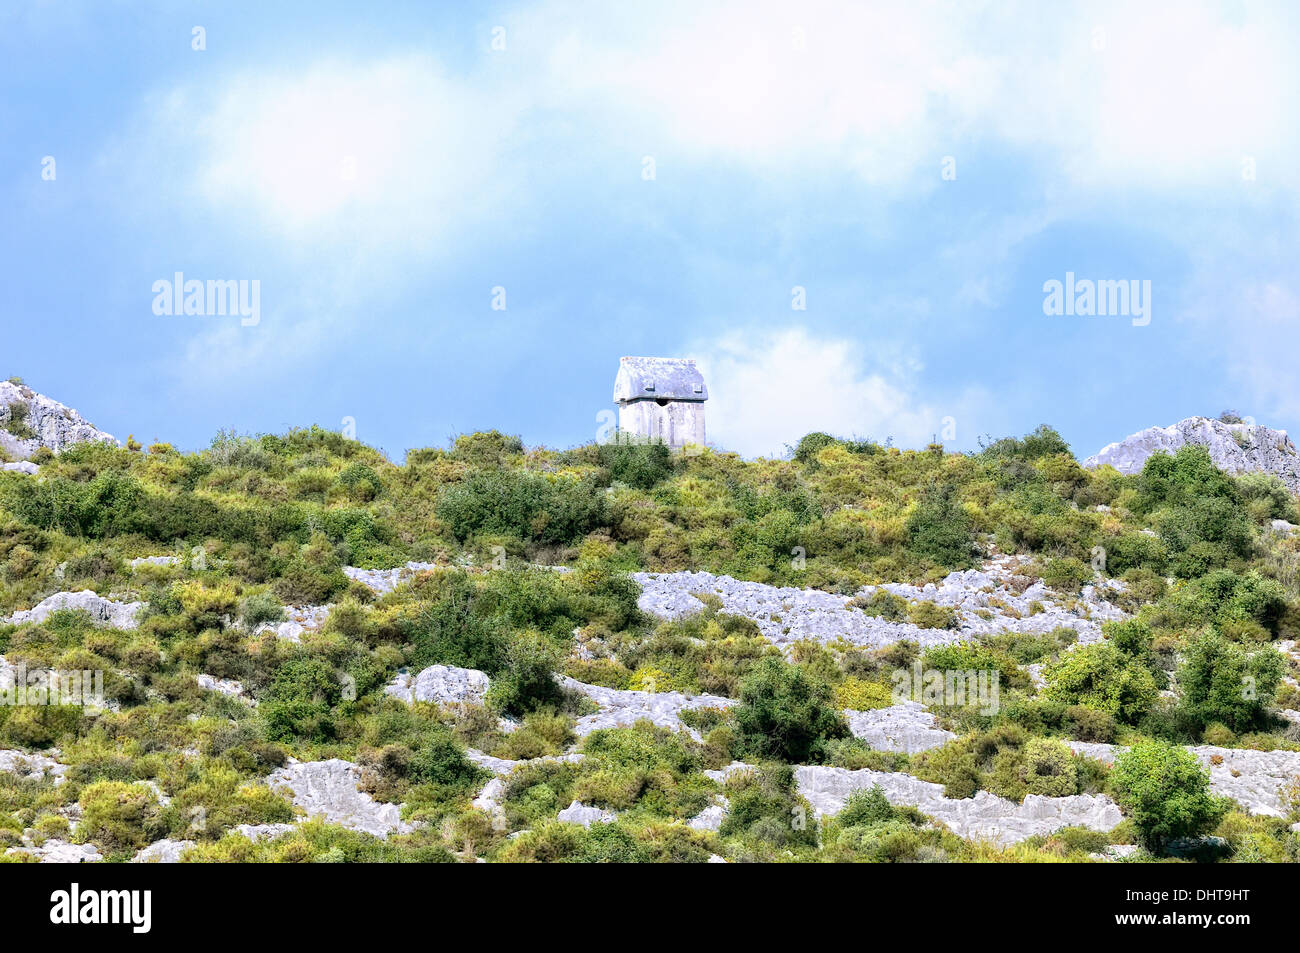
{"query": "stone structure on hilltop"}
[(29, 421), (1234, 448), (661, 399)]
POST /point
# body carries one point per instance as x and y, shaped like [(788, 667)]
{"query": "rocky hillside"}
[(1234, 448), (300, 651), (30, 421)]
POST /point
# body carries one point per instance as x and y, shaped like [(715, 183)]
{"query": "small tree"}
[(1166, 793), (1221, 682), (1100, 676), (786, 714), (939, 528)]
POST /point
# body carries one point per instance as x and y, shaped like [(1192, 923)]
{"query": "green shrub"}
[(119, 817), (300, 701), (866, 807), (954, 766), (882, 604), (766, 810), (1100, 676), (971, 657), (1165, 792), (640, 466), (527, 680), (785, 714), (489, 448), (1049, 768), (450, 629), (1221, 682), (260, 607), (530, 506), (1267, 497), (361, 482), (939, 528), (809, 445), (931, 615), (1196, 508), (1043, 442), (1067, 574)]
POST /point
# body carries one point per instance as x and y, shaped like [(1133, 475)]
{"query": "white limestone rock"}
[(103, 611), (711, 818), (55, 851), (53, 425), (1234, 448), (154, 561), (905, 727), (787, 615), (1114, 852), (1257, 784), (22, 466), (736, 767), (503, 766), (118, 615), (257, 832), (384, 581), (162, 852), (299, 620), (622, 708), (982, 817), (33, 767), (491, 801), (224, 686), (442, 684), (331, 790), (578, 813)]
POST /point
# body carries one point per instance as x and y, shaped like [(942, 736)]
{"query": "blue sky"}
[(381, 168)]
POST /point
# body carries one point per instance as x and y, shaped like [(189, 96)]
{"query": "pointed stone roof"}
[(659, 378)]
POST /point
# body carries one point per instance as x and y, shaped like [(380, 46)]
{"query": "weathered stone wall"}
[(677, 423)]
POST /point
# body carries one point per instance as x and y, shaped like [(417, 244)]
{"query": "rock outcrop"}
[(257, 832), (29, 421), (223, 686), (331, 790), (117, 615), (55, 851), (503, 766), (906, 727), (579, 813), (988, 600), (711, 818), (982, 817), (299, 619), (384, 581), (162, 852), (622, 708), (34, 767), (154, 561), (442, 684), (1235, 448)]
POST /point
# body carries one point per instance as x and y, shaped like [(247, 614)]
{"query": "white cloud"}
[(1176, 94), (769, 388), (388, 156), (881, 92)]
